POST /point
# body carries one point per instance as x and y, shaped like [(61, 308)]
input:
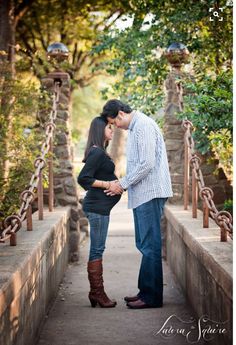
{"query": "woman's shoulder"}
[(96, 151)]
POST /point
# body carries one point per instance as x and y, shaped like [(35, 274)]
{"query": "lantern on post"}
[(57, 51), (177, 54)]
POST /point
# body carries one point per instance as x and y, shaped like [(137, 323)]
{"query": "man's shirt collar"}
[(133, 121)]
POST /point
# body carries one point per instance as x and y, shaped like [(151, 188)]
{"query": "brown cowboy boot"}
[(97, 293)]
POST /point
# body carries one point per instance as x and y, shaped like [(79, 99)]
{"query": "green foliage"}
[(138, 75), (209, 106), (228, 206), (133, 57), (136, 52), (74, 23), (19, 139), (21, 168), (221, 144)]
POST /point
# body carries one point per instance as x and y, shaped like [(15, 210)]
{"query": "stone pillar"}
[(65, 185), (174, 138), (174, 134)]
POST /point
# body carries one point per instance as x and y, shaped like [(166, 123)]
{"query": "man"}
[(149, 185)]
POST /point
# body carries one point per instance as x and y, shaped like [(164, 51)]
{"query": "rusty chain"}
[(13, 223), (221, 218)]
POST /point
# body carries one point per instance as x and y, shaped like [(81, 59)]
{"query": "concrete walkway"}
[(72, 321)]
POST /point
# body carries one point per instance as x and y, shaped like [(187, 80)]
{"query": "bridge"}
[(43, 282)]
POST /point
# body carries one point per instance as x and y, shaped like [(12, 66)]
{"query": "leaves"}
[(132, 54), (209, 107), (221, 144), (19, 139), (75, 23)]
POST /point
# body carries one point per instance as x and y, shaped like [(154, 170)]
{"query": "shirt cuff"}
[(124, 183)]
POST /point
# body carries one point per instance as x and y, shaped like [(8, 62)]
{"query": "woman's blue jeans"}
[(98, 234), (147, 219)]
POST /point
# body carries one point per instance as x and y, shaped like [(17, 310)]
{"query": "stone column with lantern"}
[(177, 54), (65, 185)]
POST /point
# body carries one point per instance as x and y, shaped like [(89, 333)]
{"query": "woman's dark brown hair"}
[(96, 136)]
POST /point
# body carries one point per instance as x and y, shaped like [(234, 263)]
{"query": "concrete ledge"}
[(202, 264), (30, 274)]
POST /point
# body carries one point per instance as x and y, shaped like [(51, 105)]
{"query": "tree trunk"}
[(7, 73), (7, 32)]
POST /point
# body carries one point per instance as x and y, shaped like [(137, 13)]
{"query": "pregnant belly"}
[(98, 195)]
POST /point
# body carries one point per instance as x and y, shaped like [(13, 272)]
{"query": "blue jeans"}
[(147, 218), (98, 234)]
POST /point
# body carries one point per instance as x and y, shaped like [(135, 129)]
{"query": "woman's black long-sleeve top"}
[(98, 166)]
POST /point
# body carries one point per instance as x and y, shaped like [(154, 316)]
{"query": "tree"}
[(32, 26), (76, 24), (21, 142), (138, 50), (10, 14)]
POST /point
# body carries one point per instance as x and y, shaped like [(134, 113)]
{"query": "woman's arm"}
[(86, 177), (107, 185), (94, 160), (101, 184)]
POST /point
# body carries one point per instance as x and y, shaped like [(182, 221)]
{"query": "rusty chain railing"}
[(222, 218), (13, 223)]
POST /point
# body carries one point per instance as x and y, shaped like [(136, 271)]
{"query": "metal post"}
[(29, 218), (205, 215), (40, 196), (223, 234), (13, 240), (186, 173), (50, 167), (194, 195)]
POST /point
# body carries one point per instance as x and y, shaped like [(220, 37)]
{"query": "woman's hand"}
[(114, 189)]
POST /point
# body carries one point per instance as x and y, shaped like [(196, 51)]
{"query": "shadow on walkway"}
[(72, 321)]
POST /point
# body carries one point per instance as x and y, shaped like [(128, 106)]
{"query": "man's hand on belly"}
[(114, 189)]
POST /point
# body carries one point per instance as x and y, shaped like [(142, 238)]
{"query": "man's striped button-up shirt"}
[(147, 176)]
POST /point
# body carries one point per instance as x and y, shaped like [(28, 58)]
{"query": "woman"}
[(94, 177)]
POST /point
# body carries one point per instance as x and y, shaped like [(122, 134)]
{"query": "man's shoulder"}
[(144, 120)]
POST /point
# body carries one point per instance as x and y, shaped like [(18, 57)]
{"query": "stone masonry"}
[(174, 134), (65, 185)]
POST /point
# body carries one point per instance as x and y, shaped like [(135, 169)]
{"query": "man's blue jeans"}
[(147, 218), (98, 234)]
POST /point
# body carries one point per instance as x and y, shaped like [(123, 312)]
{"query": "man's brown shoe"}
[(139, 304), (131, 298)]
